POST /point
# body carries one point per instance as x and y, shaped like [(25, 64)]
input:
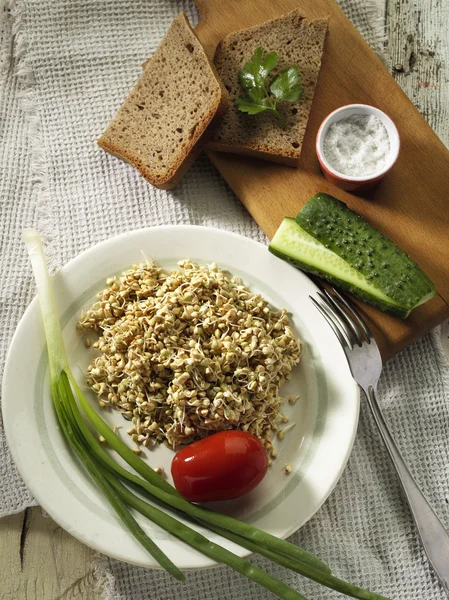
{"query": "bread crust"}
[(166, 178), (271, 155)]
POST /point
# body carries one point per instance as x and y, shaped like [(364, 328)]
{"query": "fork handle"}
[(434, 537)]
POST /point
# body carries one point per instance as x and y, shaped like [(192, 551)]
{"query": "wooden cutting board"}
[(411, 205)]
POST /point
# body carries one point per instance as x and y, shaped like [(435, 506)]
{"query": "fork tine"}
[(355, 313), (335, 329), (335, 314), (343, 314)]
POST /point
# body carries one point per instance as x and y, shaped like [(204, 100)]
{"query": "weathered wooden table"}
[(40, 561)]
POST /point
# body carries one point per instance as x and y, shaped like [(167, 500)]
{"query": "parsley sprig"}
[(259, 94)]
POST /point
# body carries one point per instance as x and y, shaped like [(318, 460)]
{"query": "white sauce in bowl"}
[(358, 145)]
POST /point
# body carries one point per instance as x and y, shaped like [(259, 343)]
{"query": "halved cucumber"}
[(292, 243)]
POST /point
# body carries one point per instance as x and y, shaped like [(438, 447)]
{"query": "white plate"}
[(317, 447)]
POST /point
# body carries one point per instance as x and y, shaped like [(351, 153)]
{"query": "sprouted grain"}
[(188, 353)]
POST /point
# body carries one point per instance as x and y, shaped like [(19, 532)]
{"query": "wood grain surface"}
[(40, 561), (409, 205), (31, 545)]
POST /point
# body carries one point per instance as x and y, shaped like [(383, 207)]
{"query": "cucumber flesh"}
[(295, 245), (364, 248)]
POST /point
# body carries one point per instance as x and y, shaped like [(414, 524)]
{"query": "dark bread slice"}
[(159, 126), (297, 42)]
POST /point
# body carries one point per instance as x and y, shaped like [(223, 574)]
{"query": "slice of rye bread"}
[(159, 126), (297, 42)]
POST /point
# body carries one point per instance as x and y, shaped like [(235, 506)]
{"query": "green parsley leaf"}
[(286, 85), (252, 75), (247, 106), (268, 63), (258, 95)]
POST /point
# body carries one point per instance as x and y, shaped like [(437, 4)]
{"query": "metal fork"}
[(365, 364)]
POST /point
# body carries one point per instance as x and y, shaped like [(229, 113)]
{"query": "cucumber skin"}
[(368, 298), (323, 214)]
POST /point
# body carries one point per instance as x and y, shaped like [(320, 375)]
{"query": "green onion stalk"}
[(70, 405)]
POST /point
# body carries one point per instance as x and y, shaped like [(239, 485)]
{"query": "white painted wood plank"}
[(418, 42), (40, 561)]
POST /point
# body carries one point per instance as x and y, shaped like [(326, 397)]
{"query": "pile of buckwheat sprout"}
[(188, 353)]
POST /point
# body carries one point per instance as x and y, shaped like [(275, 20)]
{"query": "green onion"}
[(104, 470), (116, 443), (208, 516), (109, 491), (161, 518), (201, 543), (178, 502), (58, 366), (307, 570)]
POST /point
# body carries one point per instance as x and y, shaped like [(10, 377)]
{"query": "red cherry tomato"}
[(223, 466)]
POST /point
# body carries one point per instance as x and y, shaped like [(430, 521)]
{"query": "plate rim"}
[(92, 250)]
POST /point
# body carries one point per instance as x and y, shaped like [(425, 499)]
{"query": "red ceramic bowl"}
[(349, 182)]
